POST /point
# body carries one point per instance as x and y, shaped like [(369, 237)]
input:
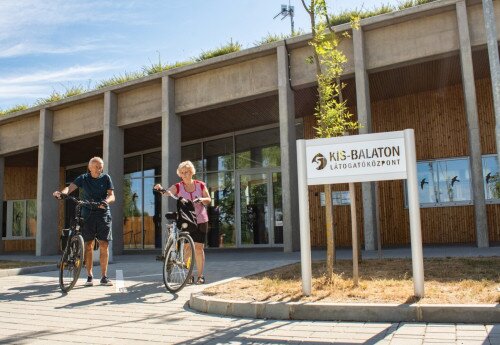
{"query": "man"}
[(98, 187)]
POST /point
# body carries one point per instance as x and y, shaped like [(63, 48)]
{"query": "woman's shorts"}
[(200, 234)]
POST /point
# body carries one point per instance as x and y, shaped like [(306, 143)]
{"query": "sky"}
[(53, 45)]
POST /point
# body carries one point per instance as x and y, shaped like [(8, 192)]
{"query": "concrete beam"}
[(291, 234), (2, 176), (469, 90), (170, 144), (363, 110), (492, 42), (113, 149), (49, 159)]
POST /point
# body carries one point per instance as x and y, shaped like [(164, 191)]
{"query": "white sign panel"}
[(359, 158)]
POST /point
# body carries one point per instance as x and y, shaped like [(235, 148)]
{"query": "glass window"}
[(132, 167), (72, 174), (218, 154), (491, 178), (193, 153), (443, 182), (221, 211), (4, 219), (30, 218), (18, 218), (152, 164), (339, 198), (454, 180), (428, 190), (258, 149)]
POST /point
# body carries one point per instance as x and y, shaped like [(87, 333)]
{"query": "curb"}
[(361, 312), (27, 270)]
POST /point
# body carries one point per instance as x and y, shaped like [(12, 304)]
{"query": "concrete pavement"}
[(33, 311)]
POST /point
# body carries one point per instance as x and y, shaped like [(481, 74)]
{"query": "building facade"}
[(237, 117)]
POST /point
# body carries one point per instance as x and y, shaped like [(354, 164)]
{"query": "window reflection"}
[(491, 177), (258, 149), (193, 153), (218, 154), (443, 182), (221, 210), (132, 167), (152, 164)]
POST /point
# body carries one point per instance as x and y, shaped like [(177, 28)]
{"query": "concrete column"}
[(491, 40), (469, 90), (47, 242), (288, 146), (112, 151), (170, 145), (364, 118), (2, 176)]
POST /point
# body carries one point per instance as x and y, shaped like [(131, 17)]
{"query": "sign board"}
[(358, 158)]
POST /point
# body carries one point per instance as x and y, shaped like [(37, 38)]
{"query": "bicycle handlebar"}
[(163, 190), (80, 201)]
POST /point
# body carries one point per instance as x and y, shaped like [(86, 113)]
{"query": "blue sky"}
[(48, 45)]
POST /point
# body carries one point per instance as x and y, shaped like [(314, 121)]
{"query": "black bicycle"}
[(178, 254), (72, 244)]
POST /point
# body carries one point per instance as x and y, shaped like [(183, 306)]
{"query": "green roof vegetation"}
[(230, 47)]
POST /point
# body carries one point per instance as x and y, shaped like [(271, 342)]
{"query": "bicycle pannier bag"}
[(64, 239), (186, 215)]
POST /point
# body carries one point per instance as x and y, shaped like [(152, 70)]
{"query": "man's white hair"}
[(96, 159)]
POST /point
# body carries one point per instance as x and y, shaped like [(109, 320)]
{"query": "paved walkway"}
[(33, 311)]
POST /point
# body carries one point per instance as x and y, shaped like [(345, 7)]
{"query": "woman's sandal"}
[(191, 280), (201, 280)]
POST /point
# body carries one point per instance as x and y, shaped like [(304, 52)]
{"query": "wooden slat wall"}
[(438, 118), (19, 245)]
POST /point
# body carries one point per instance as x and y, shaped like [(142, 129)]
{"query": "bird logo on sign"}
[(320, 160)]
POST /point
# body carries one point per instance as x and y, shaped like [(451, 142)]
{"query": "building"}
[(237, 118)]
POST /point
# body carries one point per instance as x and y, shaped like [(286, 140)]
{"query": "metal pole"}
[(414, 207), (491, 40), (305, 237), (354, 232)]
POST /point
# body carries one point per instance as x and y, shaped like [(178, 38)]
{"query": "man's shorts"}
[(97, 224)]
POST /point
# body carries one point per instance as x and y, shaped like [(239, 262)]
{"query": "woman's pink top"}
[(199, 187)]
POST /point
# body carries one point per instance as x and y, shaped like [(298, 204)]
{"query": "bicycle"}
[(72, 258), (178, 254)]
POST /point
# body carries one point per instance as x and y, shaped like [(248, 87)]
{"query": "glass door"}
[(259, 208), (254, 209)]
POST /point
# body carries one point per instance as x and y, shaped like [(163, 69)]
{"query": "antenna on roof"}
[(286, 10)]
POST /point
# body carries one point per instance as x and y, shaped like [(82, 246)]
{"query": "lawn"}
[(448, 281), (4, 264)]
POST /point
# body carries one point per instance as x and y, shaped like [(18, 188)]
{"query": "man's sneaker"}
[(105, 281), (89, 281)]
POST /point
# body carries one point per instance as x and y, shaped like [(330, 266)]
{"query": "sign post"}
[(359, 158)]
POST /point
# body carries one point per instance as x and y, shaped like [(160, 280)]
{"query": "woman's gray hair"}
[(186, 164)]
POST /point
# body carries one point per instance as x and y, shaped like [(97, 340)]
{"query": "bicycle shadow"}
[(32, 293), (140, 292)]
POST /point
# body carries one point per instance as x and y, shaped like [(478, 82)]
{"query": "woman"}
[(197, 192)]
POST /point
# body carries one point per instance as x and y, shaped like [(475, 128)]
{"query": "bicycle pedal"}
[(160, 258)]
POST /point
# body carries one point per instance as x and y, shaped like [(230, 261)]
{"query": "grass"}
[(451, 280), (5, 264)]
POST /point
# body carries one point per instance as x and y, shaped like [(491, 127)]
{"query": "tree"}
[(333, 117)]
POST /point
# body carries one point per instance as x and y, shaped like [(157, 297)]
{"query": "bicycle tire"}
[(178, 267), (71, 263)]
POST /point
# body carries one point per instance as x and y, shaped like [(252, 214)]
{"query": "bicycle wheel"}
[(71, 263), (178, 264)]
